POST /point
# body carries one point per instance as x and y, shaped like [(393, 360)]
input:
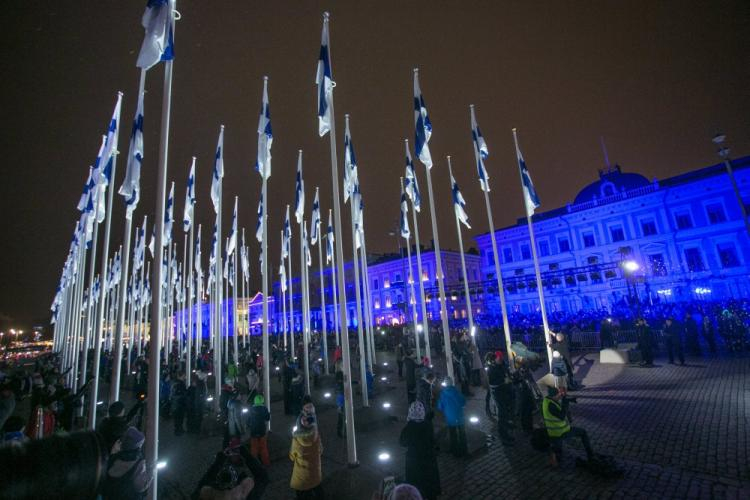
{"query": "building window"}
[(397, 279), (617, 234), (592, 259), (658, 267), (507, 255), (377, 304), (425, 276), (564, 244), (648, 227), (694, 260), (375, 284), (386, 283), (728, 255), (543, 248), (588, 239), (683, 220), (525, 252), (490, 258), (715, 213)]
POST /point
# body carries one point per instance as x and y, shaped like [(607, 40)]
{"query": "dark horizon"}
[(655, 81)]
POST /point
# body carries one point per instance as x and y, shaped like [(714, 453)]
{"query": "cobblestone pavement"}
[(676, 431)]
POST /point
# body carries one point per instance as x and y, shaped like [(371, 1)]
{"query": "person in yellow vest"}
[(555, 414)]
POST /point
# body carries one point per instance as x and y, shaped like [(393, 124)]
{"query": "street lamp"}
[(629, 267), (723, 153)]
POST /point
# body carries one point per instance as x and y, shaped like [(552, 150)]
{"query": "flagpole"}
[(282, 284), (351, 443), (322, 299), (368, 296), (305, 309), (152, 429), (539, 287), (225, 313), (472, 331), (87, 333), (439, 276), (334, 295), (217, 299), (499, 276), (264, 272), (198, 282), (410, 278), (245, 282), (291, 295), (190, 290), (425, 317)]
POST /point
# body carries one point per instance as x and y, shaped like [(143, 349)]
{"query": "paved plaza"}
[(676, 431)]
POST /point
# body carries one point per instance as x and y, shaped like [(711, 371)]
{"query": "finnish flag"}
[(187, 215), (198, 254), (329, 239), (459, 204), (218, 173), (158, 44), (232, 242), (282, 276), (422, 125), (480, 152), (168, 218), (265, 136), (286, 243), (324, 81), (315, 222), (351, 176), (259, 223), (410, 181), (530, 198), (299, 197), (405, 233), (131, 186)]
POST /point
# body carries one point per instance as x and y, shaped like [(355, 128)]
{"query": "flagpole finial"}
[(221, 127), (265, 78), (471, 106), (326, 15), (416, 71), (119, 93)]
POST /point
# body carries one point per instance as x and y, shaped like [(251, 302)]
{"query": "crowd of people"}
[(513, 398)]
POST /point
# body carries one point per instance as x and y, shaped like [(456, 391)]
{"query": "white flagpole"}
[(440, 277), (323, 317), (305, 314), (189, 276), (472, 330), (410, 279), (235, 318), (334, 293), (539, 287), (225, 316), (291, 296), (217, 305), (368, 300), (351, 443), (365, 311), (114, 386), (264, 277), (81, 378), (283, 299), (245, 283), (198, 282)]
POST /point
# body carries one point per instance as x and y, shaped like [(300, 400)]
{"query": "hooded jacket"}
[(451, 404), (305, 454)]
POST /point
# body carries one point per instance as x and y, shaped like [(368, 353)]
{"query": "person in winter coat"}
[(252, 383), (305, 454), (645, 342), (421, 460), (559, 370), (196, 404), (691, 335), (673, 339), (451, 404), (127, 477), (113, 427), (501, 389), (258, 424), (709, 333), (235, 426), (179, 404)]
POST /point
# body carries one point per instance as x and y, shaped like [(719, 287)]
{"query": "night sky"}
[(656, 79)]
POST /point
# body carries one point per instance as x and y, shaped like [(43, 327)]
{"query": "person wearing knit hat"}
[(305, 454), (421, 460), (127, 474), (258, 419), (404, 491)]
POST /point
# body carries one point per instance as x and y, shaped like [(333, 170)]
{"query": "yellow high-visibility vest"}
[(555, 426)]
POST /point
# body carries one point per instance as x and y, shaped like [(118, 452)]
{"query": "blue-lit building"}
[(685, 235)]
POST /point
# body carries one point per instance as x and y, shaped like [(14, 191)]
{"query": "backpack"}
[(121, 488)]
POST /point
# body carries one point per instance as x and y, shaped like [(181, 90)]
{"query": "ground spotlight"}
[(474, 420), (384, 456), (327, 395), (386, 405)]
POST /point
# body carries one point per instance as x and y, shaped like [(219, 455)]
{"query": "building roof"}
[(611, 182), (629, 185)]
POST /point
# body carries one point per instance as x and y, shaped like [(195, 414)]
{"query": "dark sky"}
[(656, 79)]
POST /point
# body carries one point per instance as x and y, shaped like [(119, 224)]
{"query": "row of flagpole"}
[(80, 312)]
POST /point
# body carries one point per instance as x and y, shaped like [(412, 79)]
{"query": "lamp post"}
[(629, 267), (723, 153)]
